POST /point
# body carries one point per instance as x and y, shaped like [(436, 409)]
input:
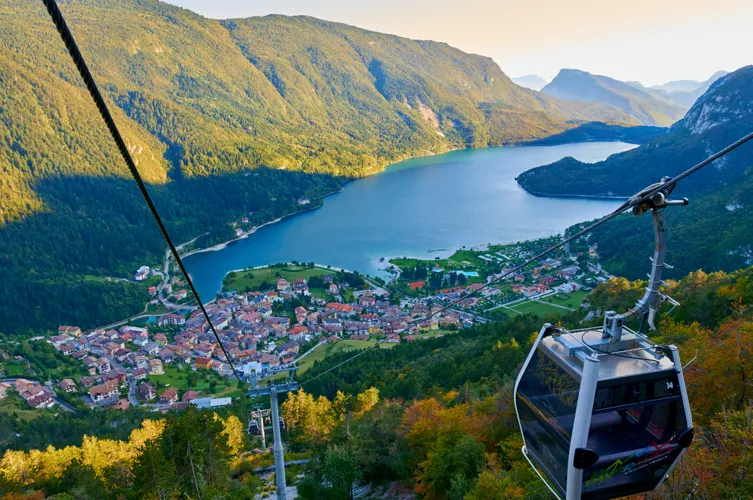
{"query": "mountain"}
[(714, 231), (682, 94), (680, 85), (597, 131), (226, 119), (571, 84), (533, 82), (719, 117)]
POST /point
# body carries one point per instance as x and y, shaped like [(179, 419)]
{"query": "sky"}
[(651, 41)]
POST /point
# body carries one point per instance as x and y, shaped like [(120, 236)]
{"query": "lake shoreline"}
[(269, 266), (575, 196), (349, 230), (246, 234)]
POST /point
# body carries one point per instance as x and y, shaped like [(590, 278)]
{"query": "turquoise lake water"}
[(439, 203)]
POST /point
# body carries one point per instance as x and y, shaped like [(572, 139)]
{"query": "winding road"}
[(49, 386)]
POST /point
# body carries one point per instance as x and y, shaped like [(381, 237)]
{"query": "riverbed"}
[(424, 207)]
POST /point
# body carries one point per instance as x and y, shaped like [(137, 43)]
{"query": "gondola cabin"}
[(253, 427), (602, 418)]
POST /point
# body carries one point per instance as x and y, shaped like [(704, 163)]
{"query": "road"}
[(55, 397), (131, 382), (166, 279), (507, 305), (476, 317), (132, 392), (377, 288), (165, 273), (49, 386)]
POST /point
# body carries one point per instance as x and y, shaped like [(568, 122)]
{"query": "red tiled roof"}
[(416, 285)]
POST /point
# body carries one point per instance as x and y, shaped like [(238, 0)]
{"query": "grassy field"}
[(434, 333), (14, 368), (537, 308), (572, 300), (14, 404), (252, 278), (177, 377), (325, 350)]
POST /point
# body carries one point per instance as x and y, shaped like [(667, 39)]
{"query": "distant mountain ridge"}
[(682, 94), (285, 92), (533, 82), (644, 106), (597, 131)]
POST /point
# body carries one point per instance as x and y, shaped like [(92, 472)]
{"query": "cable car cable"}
[(91, 85), (635, 200), (549, 250)]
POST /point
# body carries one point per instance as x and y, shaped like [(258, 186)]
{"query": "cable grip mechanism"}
[(656, 201)]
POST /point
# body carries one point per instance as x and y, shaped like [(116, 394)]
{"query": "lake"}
[(439, 203)]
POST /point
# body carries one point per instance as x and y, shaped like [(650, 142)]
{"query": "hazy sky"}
[(652, 41)]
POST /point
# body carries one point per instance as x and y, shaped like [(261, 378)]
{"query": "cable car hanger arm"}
[(655, 199)]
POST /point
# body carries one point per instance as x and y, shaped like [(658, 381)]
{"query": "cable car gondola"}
[(253, 428), (604, 411)]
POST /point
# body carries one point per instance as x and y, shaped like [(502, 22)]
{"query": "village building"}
[(105, 392), (283, 284), (155, 367), (67, 385), (103, 365), (42, 399), (170, 396), (73, 331), (189, 396), (122, 404), (203, 363), (145, 391)]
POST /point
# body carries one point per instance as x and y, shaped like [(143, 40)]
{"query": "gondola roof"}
[(633, 359)]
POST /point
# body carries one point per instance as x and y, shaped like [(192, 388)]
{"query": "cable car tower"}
[(604, 411), (272, 390)]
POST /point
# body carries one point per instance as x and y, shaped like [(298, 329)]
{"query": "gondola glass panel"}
[(635, 429), (546, 400)]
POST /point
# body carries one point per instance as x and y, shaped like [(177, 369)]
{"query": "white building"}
[(142, 273), (211, 402)]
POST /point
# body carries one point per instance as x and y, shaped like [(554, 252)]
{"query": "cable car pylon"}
[(272, 390), (604, 412)]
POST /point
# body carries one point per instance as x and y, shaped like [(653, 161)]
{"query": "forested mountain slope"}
[(645, 106), (201, 102), (719, 117), (206, 97), (714, 232)]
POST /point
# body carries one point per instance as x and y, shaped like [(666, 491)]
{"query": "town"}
[(295, 314)]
